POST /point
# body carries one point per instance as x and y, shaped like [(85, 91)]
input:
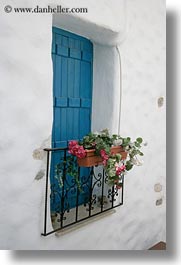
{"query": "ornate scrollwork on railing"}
[(77, 198), (97, 180), (112, 193)]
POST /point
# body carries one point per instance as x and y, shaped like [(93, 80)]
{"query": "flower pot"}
[(90, 160), (93, 160), (119, 150)]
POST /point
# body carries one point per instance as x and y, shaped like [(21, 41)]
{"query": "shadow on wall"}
[(172, 248)]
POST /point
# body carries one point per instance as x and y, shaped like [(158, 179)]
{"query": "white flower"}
[(128, 156), (118, 142), (141, 162), (96, 133), (136, 162)]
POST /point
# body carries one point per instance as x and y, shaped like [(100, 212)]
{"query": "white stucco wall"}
[(26, 118)]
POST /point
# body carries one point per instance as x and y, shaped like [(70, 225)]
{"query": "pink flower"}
[(104, 156), (76, 149), (120, 169), (123, 167), (72, 143), (104, 162), (73, 149), (81, 152), (103, 152)]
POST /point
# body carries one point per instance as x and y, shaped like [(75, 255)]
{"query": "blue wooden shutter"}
[(72, 57), (72, 65)]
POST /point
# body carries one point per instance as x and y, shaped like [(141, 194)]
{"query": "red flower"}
[(72, 143), (123, 167), (104, 156), (81, 152), (120, 169), (76, 149), (103, 152)]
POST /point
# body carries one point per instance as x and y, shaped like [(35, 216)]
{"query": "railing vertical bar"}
[(102, 201), (77, 198), (46, 193), (122, 189), (112, 196), (63, 189), (90, 198)]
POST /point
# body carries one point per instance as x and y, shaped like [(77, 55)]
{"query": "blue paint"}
[(72, 57)]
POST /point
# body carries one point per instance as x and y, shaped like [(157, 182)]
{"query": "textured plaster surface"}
[(26, 119)]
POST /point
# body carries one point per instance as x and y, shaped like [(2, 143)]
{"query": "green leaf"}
[(137, 144), (129, 167), (139, 140), (114, 136)]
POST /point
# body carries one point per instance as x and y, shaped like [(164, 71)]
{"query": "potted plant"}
[(115, 153)]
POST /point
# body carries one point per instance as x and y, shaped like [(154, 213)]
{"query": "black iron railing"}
[(75, 200)]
